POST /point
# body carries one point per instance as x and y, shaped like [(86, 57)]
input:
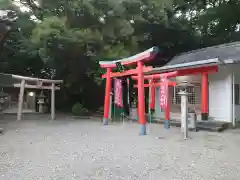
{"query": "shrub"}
[(79, 110), (101, 109)]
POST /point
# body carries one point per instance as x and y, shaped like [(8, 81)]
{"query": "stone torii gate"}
[(39, 85)]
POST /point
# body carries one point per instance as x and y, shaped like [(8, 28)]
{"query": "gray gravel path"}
[(69, 149)]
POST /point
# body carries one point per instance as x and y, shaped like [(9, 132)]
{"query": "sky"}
[(21, 6)]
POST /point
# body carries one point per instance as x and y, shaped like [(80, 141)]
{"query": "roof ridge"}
[(211, 47)]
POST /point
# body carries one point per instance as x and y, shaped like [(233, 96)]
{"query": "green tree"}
[(66, 39)]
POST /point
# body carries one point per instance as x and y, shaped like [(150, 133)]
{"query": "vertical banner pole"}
[(150, 101), (114, 112), (122, 108), (110, 107)]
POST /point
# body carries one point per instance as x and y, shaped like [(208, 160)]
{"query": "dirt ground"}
[(69, 149)]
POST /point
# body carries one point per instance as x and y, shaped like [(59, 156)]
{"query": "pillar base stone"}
[(204, 116), (166, 124), (105, 121), (142, 130)]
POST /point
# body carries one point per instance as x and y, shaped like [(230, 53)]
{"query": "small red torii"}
[(164, 84)]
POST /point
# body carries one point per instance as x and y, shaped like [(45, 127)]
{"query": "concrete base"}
[(142, 130), (166, 124), (105, 121), (204, 116)]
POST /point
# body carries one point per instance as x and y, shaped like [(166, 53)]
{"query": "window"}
[(236, 95), (193, 97)]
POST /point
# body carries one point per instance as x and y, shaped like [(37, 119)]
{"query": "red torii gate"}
[(164, 84), (137, 59)]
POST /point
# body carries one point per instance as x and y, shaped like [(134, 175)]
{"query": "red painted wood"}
[(157, 84), (107, 94), (183, 72), (204, 103), (141, 102), (208, 69), (158, 76), (152, 93), (127, 72)]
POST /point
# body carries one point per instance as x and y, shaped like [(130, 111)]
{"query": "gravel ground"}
[(68, 149)]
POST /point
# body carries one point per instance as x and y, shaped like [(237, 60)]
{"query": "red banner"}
[(164, 93), (118, 92)]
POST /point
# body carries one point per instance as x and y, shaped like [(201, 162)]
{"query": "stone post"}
[(184, 107), (110, 107), (184, 113), (53, 101)]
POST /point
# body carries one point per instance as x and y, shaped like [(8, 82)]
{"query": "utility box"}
[(192, 120)]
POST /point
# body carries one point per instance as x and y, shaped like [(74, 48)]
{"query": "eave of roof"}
[(190, 65), (229, 51)]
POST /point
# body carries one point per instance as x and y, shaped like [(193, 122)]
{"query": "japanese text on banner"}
[(118, 92), (164, 93)]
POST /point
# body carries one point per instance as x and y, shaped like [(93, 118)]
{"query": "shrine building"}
[(215, 93)]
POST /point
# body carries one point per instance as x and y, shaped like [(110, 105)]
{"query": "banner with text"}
[(118, 92), (164, 93)]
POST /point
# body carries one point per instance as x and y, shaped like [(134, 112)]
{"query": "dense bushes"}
[(79, 110)]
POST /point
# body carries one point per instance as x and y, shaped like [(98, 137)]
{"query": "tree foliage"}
[(66, 39)]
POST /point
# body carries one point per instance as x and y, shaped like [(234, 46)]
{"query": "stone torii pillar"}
[(20, 100), (53, 101)]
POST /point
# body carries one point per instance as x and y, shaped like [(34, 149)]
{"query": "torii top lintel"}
[(143, 56)]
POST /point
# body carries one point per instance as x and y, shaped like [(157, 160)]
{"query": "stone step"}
[(212, 126)]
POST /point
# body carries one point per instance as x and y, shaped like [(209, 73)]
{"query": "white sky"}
[(21, 6), (24, 8)]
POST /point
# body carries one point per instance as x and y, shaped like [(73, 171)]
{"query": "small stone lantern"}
[(184, 106), (3, 99), (41, 102)]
